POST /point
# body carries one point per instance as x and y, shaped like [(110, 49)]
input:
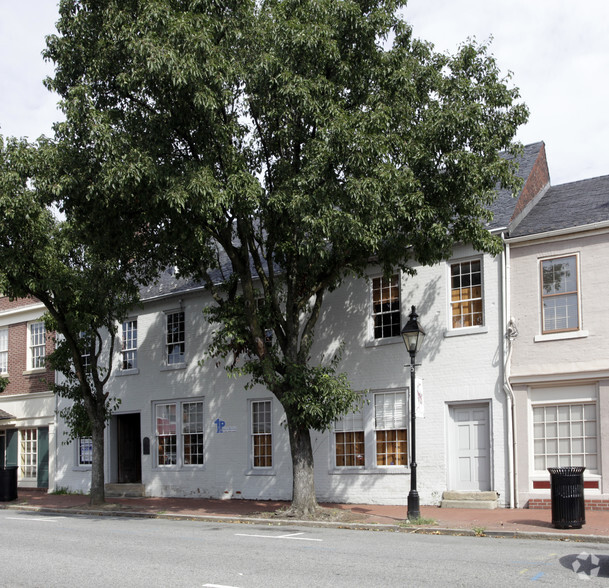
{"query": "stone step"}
[(125, 490), (484, 500)]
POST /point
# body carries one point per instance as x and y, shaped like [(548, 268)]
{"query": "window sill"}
[(173, 367), (34, 372), (561, 336), (385, 341), (178, 468), (260, 472), (130, 372), (81, 468), (465, 331), (389, 470)]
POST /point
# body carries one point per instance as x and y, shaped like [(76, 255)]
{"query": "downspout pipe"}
[(510, 333)]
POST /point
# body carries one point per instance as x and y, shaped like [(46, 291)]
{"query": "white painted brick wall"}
[(453, 369)]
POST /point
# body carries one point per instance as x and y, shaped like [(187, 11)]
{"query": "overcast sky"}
[(557, 50)]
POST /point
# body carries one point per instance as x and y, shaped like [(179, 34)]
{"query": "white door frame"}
[(452, 449)]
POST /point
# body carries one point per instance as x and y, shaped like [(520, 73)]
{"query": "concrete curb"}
[(231, 519)]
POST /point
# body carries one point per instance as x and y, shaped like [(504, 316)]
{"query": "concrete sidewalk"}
[(498, 523)]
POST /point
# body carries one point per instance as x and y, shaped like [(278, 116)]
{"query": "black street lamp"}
[(413, 335)]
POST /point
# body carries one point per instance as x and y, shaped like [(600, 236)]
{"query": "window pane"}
[(37, 345), (350, 449), (386, 307), (262, 440), (175, 338), (466, 294), (85, 451), (192, 433), (391, 448), (129, 345), (3, 351), (572, 441), (559, 294), (166, 428), (28, 452)]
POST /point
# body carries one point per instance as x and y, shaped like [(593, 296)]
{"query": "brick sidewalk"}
[(499, 521)]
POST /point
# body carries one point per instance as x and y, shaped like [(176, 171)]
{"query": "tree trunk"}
[(304, 500), (97, 495)]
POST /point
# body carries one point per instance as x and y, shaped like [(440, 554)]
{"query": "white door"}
[(470, 448)]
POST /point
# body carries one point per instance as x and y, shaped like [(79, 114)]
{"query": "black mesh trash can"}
[(8, 483), (567, 487)]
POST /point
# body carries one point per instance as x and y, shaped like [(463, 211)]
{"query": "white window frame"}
[(129, 345), (348, 427), (577, 293), (397, 421), (256, 433), (84, 447), (173, 339), (180, 433), (555, 439), (462, 330), (394, 337), (28, 453), (4, 351), (34, 346)]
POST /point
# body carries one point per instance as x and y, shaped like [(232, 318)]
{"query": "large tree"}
[(85, 295), (285, 143)]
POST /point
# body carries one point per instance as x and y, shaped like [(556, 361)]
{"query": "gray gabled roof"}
[(566, 206), (503, 206)]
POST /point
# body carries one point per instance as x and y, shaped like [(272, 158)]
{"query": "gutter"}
[(565, 232)]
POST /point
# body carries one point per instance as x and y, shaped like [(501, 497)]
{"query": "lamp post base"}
[(414, 511)]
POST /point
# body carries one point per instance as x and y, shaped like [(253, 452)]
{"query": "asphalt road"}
[(50, 550)]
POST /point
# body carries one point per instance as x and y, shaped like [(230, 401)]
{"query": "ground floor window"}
[(349, 441), (179, 433), (85, 451), (28, 452), (565, 435), (262, 434), (376, 435), (390, 427)]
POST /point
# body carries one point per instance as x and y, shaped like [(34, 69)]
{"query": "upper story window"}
[(559, 294), (386, 306), (129, 345), (466, 301), (4, 351), (175, 346), (37, 345)]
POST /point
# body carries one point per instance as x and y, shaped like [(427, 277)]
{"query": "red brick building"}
[(27, 402)]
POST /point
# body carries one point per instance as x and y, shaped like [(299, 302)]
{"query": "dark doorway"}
[(129, 450)]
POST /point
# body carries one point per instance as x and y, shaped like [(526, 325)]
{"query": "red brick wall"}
[(7, 304), (20, 383), (538, 178), (546, 503)]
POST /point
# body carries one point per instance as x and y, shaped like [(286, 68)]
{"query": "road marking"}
[(29, 519), (217, 586), (293, 536)]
